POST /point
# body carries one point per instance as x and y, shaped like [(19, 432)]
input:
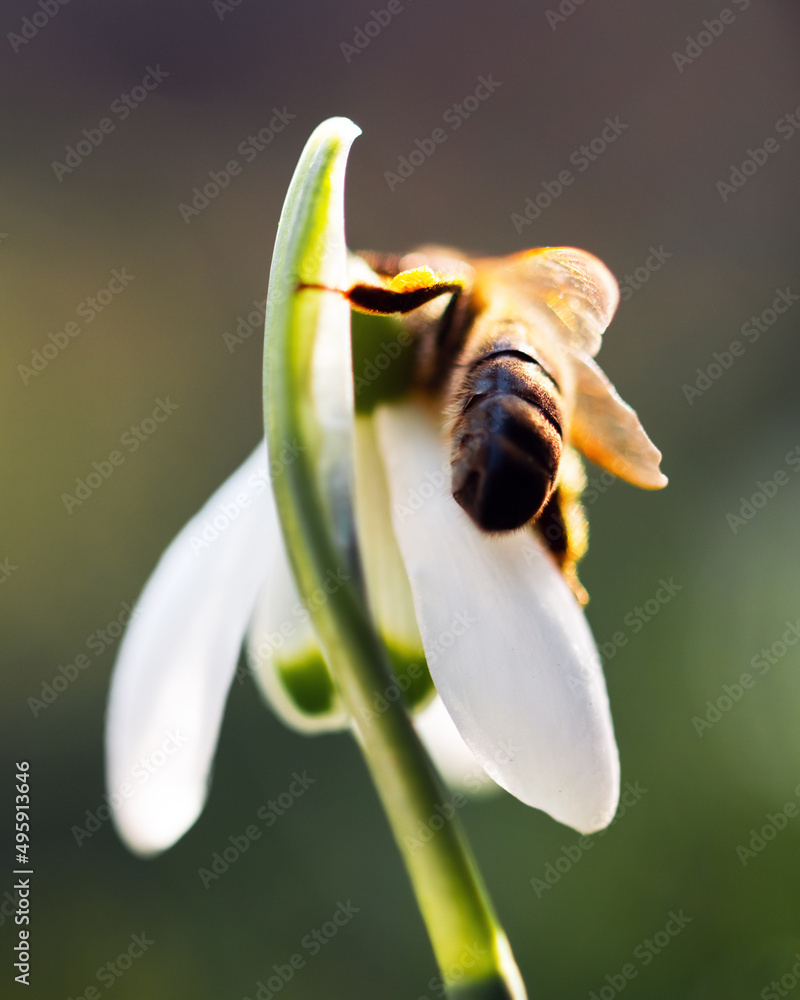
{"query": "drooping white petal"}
[(509, 649), (178, 656), (454, 760)]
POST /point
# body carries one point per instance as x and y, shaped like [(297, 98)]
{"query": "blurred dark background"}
[(222, 70)]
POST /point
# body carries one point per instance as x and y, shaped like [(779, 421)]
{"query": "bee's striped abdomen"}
[(507, 439)]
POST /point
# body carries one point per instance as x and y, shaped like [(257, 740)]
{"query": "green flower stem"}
[(313, 408)]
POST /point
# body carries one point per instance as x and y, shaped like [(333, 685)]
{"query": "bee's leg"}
[(385, 301), (562, 524)]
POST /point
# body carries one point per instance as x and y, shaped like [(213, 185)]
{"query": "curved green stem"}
[(309, 402)]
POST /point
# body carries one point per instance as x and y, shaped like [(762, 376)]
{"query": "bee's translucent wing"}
[(573, 284), (608, 431)]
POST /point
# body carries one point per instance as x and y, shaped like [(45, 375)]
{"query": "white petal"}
[(454, 760), (509, 649), (178, 656)]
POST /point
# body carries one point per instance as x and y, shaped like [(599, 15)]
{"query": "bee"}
[(505, 347)]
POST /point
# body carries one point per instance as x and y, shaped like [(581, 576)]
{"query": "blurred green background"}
[(223, 68)]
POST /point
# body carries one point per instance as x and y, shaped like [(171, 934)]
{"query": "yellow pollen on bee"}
[(416, 277)]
